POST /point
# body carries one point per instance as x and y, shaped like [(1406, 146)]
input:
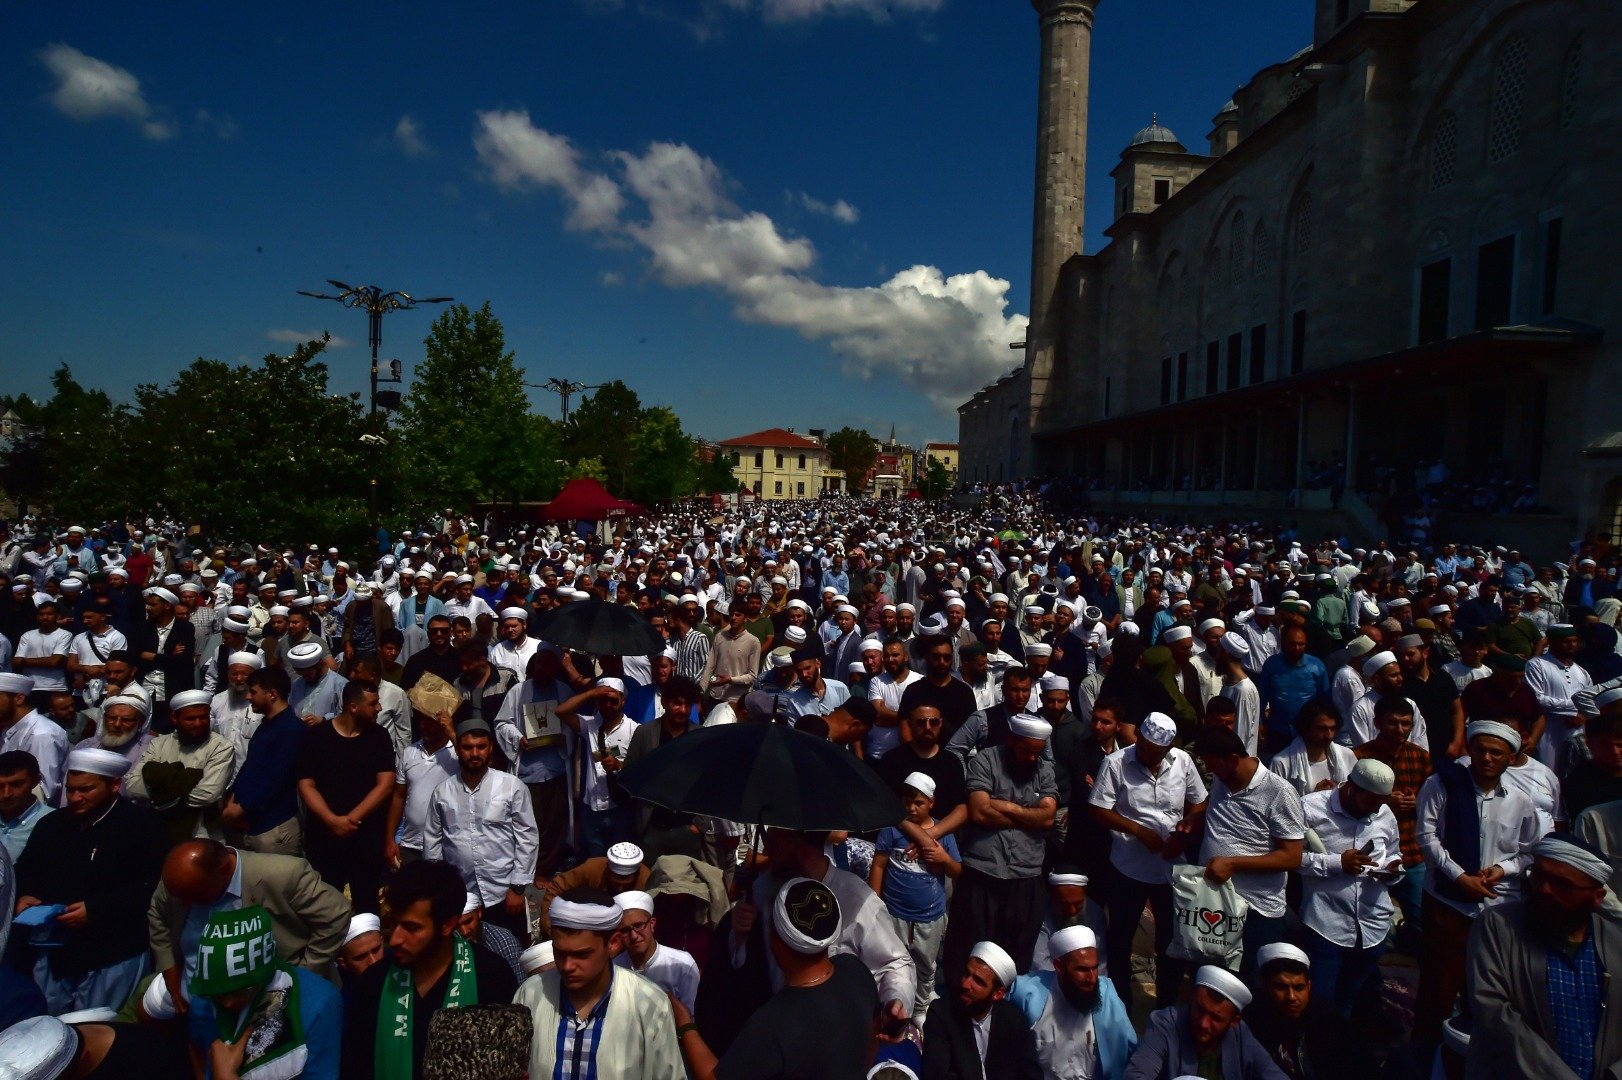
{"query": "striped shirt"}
[(692, 653), (577, 1039)]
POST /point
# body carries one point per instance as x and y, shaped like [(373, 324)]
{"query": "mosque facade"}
[(1387, 269)]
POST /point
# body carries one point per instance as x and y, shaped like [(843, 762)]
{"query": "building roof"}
[(940, 446), (1155, 135), (777, 439)]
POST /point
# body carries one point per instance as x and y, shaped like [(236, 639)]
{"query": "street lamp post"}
[(376, 303), (564, 389)]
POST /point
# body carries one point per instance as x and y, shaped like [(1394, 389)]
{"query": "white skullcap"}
[(515, 613), (1051, 681), (1378, 661), (855, 667), (1281, 950), (12, 682), (141, 705), (246, 659), (464, 579), (1039, 649), (99, 762), (1235, 646), (1067, 940), (806, 929), (532, 959), (1158, 728), (1078, 880), (871, 644), (1224, 982), (305, 655), (846, 609), (186, 587), (163, 594), (922, 783), (798, 603), (624, 858), (473, 902), (568, 915), (1579, 856), (634, 900), (906, 607), (1441, 609), (996, 958), (157, 1003), (358, 925), (1375, 777), (1029, 726), (188, 698), (1131, 629), (1495, 729), (956, 602), (1212, 624), (782, 659), (998, 598), (1177, 633), (1033, 609), (795, 634), (280, 609)]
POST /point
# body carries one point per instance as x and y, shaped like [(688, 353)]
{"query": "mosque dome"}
[(1156, 136)]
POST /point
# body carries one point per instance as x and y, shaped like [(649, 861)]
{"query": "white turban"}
[(996, 958), (1495, 729), (188, 698), (624, 858), (12, 682), (634, 900), (1056, 878), (1378, 661), (98, 762), (1281, 950), (360, 924), (806, 916), (1069, 939), (245, 659), (515, 613), (1578, 856), (1029, 726), (1051, 682), (1224, 982), (568, 915), (1177, 633), (532, 959)]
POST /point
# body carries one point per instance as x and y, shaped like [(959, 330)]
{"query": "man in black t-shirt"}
[(940, 688), (345, 775), (924, 754)]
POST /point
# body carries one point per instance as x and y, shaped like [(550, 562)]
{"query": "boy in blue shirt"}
[(912, 885)]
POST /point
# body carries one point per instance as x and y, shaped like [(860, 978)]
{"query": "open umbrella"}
[(762, 773), (596, 626)]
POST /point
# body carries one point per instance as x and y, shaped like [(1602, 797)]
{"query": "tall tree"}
[(661, 459), (936, 480), (715, 470), (466, 406), (853, 452), (604, 426)]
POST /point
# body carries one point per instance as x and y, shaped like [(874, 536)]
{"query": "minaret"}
[(1061, 186)]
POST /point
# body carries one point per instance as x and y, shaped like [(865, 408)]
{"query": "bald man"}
[(200, 877)]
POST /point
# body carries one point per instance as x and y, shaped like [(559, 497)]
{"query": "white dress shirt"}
[(1349, 910), (513, 657), (45, 739), (1509, 825), (420, 773), (487, 832), (1553, 683), (234, 718), (674, 970), (1157, 800)]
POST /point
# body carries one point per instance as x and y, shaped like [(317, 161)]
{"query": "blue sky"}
[(759, 212)]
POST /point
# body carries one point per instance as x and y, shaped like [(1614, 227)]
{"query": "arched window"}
[(1445, 151), (1262, 250), (1301, 227), (1508, 99), (1236, 248), (1571, 78)]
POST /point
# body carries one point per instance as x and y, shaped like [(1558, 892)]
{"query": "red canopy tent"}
[(584, 499)]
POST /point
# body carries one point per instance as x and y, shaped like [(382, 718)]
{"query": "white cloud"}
[(610, 279), (520, 157), (299, 337), (219, 125), (839, 209), (943, 335), (90, 89), (408, 137)]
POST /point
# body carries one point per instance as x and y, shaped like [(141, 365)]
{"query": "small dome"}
[(1155, 135), (1228, 108)]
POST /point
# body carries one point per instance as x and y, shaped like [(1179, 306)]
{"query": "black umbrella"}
[(762, 773), (596, 626)]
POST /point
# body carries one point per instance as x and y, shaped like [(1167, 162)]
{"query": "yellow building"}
[(781, 464), (945, 453)]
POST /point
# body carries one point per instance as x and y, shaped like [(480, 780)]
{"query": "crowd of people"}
[(1170, 800)]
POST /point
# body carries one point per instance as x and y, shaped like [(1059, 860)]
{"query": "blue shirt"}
[(267, 786), (14, 834), (321, 1012), (911, 891), (1576, 987), (1285, 688)]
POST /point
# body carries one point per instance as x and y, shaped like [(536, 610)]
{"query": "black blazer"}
[(950, 1052), (178, 659)]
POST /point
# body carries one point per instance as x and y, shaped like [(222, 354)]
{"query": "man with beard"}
[(183, 775), (923, 754), (979, 1033), (885, 691), (1541, 978), (941, 688), (1308, 1039), (164, 647), (124, 727), (98, 859), (315, 691), (233, 638), (346, 779), (1206, 1037), (439, 658), (986, 728), (229, 712), (1013, 799), (514, 648), (1068, 906), (1083, 1031), (21, 728)]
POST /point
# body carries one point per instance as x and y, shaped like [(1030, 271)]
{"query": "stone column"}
[(1061, 162)]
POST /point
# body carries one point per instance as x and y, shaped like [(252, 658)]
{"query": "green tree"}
[(461, 429), (936, 480), (715, 470), (854, 453), (68, 459), (604, 426), (662, 459), (591, 467)]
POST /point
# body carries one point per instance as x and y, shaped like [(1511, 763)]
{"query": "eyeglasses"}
[(643, 927)]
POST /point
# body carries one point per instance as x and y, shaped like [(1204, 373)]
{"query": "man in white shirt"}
[(1345, 901), (1346, 685), (1150, 796), (1474, 831), (480, 821), (1383, 675), (419, 769), (230, 713), (42, 653), (597, 717), (466, 604), (87, 656), (1553, 678), (674, 970), (515, 647), (1253, 835), (21, 728), (884, 691)]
